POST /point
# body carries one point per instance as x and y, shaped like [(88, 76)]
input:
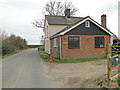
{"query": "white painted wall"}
[(52, 29)]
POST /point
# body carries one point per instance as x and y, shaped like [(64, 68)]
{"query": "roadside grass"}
[(41, 51), (119, 81), (79, 60), (17, 51), (46, 57)]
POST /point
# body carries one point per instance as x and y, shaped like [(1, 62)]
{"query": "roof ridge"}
[(63, 16)]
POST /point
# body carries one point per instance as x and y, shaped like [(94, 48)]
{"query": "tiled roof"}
[(62, 20), (68, 27)]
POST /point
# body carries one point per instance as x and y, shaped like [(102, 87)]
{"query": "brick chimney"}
[(67, 13), (103, 20)]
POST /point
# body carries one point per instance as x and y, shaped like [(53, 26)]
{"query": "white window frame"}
[(55, 42), (87, 24)]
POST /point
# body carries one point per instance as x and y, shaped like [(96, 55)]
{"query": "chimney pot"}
[(67, 13), (103, 20)]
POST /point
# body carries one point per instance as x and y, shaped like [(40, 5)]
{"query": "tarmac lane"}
[(24, 70)]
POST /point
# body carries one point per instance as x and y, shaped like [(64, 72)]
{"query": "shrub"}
[(12, 43)]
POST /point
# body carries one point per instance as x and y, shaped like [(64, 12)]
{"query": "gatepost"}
[(109, 64), (109, 69), (112, 63)]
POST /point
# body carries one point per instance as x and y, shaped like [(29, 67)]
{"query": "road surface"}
[(24, 70)]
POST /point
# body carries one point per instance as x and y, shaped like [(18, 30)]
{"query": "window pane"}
[(102, 42), (73, 42), (96, 42), (99, 42), (87, 24), (70, 42), (55, 42), (76, 42)]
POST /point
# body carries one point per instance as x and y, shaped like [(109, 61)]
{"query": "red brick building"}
[(83, 39)]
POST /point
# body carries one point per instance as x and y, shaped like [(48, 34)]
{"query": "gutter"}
[(54, 36)]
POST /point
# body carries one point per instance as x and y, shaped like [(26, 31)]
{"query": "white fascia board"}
[(55, 36), (62, 33), (101, 27)]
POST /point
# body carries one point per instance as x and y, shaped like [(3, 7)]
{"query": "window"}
[(73, 42), (99, 42), (87, 24), (55, 42)]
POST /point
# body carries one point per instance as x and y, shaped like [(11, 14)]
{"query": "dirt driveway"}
[(76, 75)]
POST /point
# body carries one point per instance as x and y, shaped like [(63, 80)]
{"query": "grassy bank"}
[(17, 51), (46, 57)]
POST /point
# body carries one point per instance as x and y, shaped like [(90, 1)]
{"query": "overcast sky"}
[(16, 16), (119, 20)]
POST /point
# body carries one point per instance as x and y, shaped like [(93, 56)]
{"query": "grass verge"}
[(119, 81), (17, 51), (56, 60)]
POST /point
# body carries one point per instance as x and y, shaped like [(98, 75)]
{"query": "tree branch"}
[(55, 8)]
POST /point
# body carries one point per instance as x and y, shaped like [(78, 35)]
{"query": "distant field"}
[(34, 46)]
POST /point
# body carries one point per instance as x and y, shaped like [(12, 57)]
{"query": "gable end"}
[(83, 30), (91, 20)]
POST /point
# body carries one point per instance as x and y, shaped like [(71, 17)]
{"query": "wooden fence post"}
[(109, 64), (109, 69), (109, 49)]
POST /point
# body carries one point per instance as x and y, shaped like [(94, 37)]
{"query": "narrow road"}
[(24, 70)]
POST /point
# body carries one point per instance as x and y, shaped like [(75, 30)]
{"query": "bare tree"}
[(55, 8), (72, 8), (3, 34), (38, 23)]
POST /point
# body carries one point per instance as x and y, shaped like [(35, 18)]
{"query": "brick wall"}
[(55, 50), (87, 47)]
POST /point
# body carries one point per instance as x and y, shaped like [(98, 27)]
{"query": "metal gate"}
[(115, 50)]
